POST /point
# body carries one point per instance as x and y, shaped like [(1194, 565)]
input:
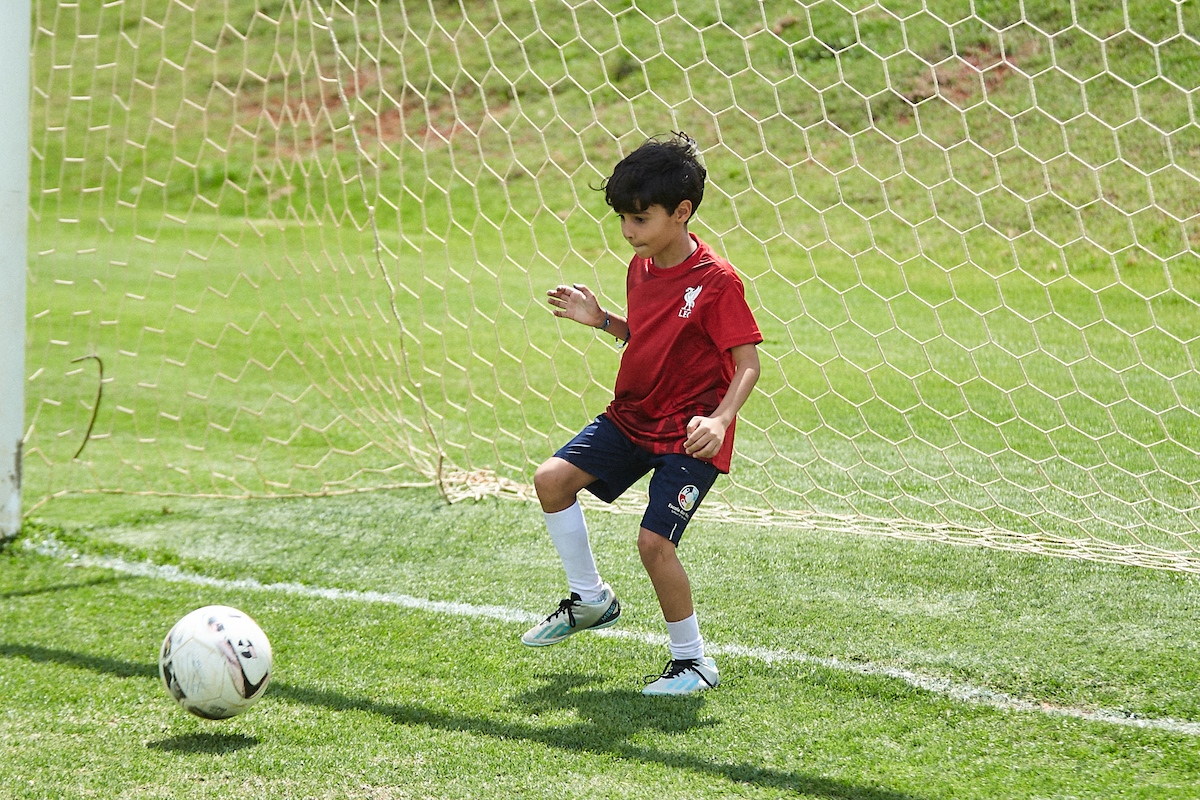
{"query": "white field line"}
[(957, 691)]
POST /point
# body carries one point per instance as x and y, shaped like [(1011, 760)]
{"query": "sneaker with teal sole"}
[(684, 676), (572, 616)]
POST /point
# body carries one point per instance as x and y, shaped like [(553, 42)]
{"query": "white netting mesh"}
[(308, 241)]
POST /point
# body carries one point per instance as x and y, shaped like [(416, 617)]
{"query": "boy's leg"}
[(592, 603), (558, 484), (676, 491), (670, 580), (688, 671), (674, 592)]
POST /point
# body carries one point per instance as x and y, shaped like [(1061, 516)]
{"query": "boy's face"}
[(652, 231)]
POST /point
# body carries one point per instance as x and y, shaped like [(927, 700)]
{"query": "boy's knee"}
[(653, 547), (551, 481), (544, 477)]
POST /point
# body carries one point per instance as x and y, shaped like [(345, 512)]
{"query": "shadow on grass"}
[(209, 743), (608, 718), (63, 587), (41, 655), (614, 714)]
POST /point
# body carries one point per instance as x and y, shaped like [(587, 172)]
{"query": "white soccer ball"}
[(216, 662)]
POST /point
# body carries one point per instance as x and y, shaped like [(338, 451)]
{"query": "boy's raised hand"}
[(576, 302)]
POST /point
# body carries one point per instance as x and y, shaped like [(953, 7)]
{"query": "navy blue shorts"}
[(677, 487)]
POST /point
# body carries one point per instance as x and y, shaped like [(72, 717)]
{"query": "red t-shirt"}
[(683, 322)]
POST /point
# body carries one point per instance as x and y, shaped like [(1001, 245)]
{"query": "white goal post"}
[(14, 213), (300, 247)]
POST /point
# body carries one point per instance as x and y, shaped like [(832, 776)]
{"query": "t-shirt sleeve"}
[(729, 322)]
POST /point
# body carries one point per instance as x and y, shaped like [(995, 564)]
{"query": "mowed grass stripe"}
[(957, 691)]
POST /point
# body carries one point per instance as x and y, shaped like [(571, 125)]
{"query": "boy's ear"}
[(683, 211)]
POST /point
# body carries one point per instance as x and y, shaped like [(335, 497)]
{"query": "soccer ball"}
[(216, 662)]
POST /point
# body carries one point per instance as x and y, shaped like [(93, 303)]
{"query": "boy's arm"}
[(707, 434), (577, 302)]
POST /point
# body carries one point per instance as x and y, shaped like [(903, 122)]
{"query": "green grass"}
[(374, 700)]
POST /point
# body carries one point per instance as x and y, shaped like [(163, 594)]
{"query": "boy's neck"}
[(679, 252)]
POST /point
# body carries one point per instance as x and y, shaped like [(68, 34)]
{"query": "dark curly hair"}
[(662, 171)]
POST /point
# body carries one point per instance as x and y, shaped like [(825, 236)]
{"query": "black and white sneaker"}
[(572, 616), (684, 676)]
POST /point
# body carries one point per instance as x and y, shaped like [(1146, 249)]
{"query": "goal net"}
[(294, 247)]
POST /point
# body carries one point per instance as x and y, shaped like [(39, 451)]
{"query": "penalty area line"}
[(960, 692)]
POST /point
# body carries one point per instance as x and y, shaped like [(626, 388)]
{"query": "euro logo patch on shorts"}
[(688, 496)]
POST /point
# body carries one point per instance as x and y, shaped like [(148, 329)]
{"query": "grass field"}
[(853, 667), (967, 230)]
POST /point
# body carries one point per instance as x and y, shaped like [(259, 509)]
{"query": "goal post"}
[(14, 214), (300, 247)]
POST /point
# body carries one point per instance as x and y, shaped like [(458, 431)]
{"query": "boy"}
[(689, 364)]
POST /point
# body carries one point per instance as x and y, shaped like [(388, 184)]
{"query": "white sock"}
[(569, 533), (686, 641)]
